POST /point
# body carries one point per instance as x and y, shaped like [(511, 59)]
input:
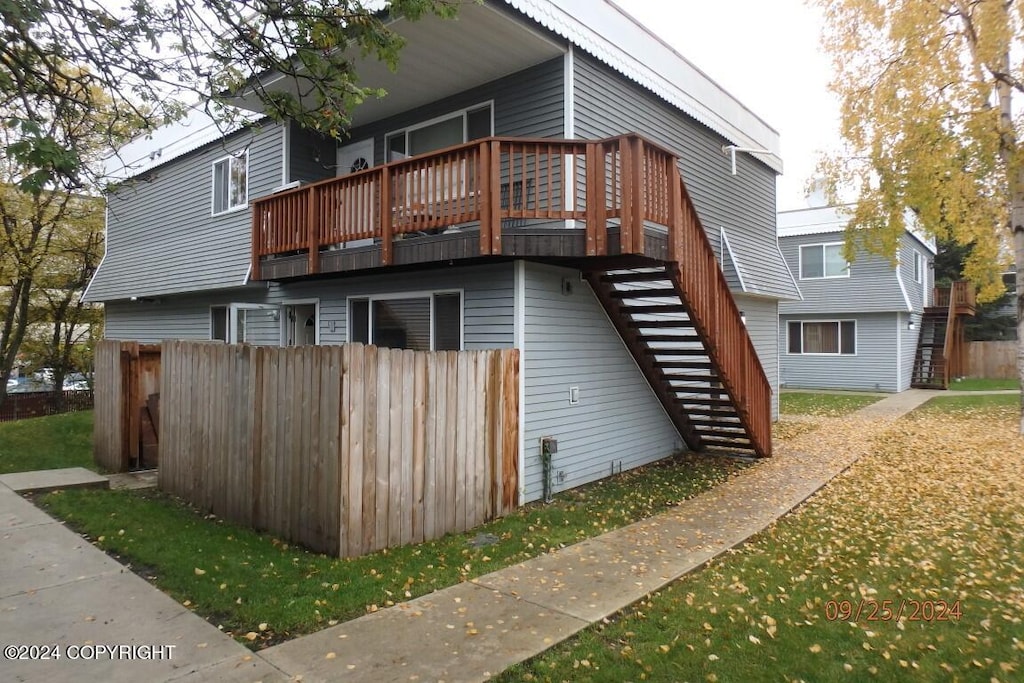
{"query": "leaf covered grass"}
[(824, 404), (44, 443), (978, 384), (264, 591), (928, 523), (959, 404)]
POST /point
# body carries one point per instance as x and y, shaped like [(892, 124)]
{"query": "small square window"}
[(823, 261)]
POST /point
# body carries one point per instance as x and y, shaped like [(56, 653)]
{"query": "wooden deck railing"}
[(961, 294), (490, 182)]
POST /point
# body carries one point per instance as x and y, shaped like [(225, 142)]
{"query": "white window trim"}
[(438, 119), (213, 183), (918, 267), (418, 294), (839, 321), (823, 245), (232, 322)]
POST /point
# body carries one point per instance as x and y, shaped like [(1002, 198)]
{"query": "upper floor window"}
[(918, 267), (822, 261), (231, 182), (445, 131), (421, 322)]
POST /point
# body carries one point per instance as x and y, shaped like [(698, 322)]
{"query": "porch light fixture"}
[(910, 325), (743, 318), (732, 149)]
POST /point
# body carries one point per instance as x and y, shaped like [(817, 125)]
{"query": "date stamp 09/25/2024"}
[(98, 652), (892, 610)]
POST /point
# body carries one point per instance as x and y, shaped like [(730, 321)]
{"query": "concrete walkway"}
[(57, 588)]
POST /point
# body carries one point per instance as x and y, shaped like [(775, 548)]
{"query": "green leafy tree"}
[(58, 58), (929, 123)]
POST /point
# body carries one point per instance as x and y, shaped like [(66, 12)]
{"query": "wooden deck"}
[(616, 209), (941, 347), (495, 197)]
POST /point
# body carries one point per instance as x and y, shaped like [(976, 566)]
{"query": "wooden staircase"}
[(941, 346), (682, 326), (651, 312)]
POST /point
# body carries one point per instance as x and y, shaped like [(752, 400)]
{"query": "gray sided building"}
[(180, 226), (857, 324)]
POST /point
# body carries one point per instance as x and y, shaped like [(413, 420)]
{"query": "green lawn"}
[(927, 525), (242, 580), (975, 384), (948, 404), (824, 404), (43, 443)]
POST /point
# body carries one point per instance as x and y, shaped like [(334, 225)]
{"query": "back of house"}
[(857, 324), (536, 178)]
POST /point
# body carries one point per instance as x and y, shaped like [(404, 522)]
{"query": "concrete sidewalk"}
[(57, 588)]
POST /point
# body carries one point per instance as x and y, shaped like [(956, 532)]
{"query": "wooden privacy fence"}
[(126, 388), (345, 449), (992, 359)]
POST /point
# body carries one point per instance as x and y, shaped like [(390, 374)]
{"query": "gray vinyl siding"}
[(487, 307), (161, 236), (915, 290), (762, 316), (569, 341), (873, 368), (606, 104), (311, 156), (871, 287), (529, 103), (907, 346)]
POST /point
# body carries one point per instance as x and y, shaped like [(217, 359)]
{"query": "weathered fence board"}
[(992, 359), (346, 450)]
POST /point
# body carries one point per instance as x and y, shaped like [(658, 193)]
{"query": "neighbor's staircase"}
[(681, 325), (940, 346)]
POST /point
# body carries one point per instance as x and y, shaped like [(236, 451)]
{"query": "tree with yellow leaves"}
[(929, 123)]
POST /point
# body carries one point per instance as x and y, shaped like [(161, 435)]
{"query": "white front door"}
[(355, 156)]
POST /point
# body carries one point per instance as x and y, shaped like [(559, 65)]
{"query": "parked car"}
[(76, 381), (11, 383)]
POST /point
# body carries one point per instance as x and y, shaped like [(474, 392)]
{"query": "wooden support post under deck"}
[(313, 231), (386, 227)]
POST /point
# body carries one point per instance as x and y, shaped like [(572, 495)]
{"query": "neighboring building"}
[(857, 324), (481, 246)]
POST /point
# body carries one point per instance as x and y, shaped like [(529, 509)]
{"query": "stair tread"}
[(642, 293), (655, 308), (634, 277), (682, 324)]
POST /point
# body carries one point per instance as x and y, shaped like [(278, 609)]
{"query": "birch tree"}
[(930, 94)]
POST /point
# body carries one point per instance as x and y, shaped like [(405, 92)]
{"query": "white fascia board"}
[(604, 30), (727, 251)]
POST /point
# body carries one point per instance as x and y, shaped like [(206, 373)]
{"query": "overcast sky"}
[(765, 53)]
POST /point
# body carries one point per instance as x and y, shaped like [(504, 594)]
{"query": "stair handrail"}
[(743, 377)]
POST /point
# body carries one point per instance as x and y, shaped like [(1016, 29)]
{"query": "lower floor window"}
[(837, 337), (427, 322)]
